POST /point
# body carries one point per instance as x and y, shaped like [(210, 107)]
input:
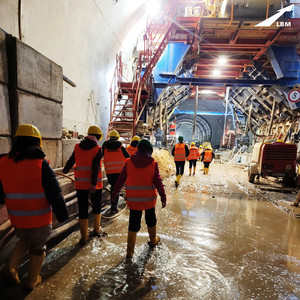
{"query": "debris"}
[(165, 162)]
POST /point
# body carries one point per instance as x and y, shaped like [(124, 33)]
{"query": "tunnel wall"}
[(5, 127), (30, 92), (83, 37)]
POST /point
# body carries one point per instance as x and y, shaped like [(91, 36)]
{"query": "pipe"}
[(57, 231), (231, 18), (64, 175), (70, 196), (226, 108), (272, 117), (160, 115), (70, 82), (249, 123), (20, 20), (195, 113)]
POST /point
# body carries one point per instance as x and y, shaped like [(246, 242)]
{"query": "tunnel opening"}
[(184, 127)]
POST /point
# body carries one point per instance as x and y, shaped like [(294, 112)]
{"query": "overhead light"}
[(222, 60), (206, 92), (216, 73)]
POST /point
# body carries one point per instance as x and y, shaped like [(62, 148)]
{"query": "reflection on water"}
[(217, 243)]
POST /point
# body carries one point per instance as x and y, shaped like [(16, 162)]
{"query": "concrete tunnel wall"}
[(83, 37)]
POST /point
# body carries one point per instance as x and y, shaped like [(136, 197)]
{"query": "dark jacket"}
[(88, 143), (113, 145), (187, 150), (50, 184), (141, 160)]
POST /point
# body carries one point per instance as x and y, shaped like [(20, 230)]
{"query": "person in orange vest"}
[(30, 191), (132, 147), (193, 157), (143, 180), (114, 154), (206, 157), (180, 152), (88, 181), (200, 150)]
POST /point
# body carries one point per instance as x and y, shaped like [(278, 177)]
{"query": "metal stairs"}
[(129, 99)]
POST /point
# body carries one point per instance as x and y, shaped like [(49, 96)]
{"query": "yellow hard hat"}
[(94, 129), (29, 130), (114, 134), (200, 146), (192, 144), (136, 138)]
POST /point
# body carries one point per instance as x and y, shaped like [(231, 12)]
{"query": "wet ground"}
[(221, 239)]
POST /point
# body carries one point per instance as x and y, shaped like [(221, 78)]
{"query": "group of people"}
[(30, 191), (182, 152)]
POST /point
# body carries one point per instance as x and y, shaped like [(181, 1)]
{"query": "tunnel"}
[(199, 99)]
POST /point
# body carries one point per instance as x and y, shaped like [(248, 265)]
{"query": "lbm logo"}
[(268, 22), (284, 24)]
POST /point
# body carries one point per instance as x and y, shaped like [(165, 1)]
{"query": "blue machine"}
[(168, 63)]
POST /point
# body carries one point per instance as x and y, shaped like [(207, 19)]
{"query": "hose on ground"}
[(103, 216)]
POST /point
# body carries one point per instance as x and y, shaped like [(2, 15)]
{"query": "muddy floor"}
[(222, 238)]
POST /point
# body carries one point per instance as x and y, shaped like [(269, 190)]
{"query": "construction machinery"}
[(275, 159)]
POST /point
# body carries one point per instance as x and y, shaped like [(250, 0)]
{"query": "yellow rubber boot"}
[(84, 231), (35, 265), (194, 170), (179, 176), (204, 170), (131, 238), (177, 181), (190, 172), (97, 228), (207, 170), (20, 250), (154, 239)]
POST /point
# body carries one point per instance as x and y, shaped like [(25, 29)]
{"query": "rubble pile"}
[(165, 162)]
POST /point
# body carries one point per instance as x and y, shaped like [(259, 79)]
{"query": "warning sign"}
[(294, 95)]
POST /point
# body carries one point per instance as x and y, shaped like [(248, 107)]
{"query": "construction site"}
[(217, 75)]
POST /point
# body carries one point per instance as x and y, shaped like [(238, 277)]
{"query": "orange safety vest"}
[(207, 156), (194, 153), (179, 153), (83, 168), (140, 192), (114, 160), (25, 198), (131, 150)]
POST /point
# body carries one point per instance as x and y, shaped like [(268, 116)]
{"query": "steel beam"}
[(223, 82)]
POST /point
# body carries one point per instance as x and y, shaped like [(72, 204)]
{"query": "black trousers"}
[(83, 202), (112, 179), (179, 167), (136, 216), (192, 162), (206, 164)]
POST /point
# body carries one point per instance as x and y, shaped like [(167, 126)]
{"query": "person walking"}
[(88, 181), (206, 157), (143, 180), (180, 152), (193, 158), (132, 147), (30, 191), (114, 155)]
